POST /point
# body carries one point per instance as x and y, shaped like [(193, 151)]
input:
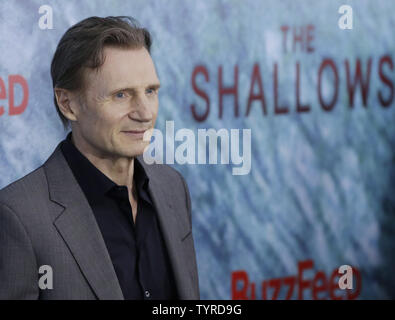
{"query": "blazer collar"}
[(78, 227), (174, 230)]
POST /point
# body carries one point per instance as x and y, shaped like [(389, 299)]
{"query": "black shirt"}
[(137, 249)]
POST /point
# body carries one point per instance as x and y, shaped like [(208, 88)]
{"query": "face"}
[(119, 104)]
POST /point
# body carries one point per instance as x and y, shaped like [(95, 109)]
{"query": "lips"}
[(136, 134), (135, 131)]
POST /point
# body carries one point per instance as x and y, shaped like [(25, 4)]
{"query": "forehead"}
[(123, 68)]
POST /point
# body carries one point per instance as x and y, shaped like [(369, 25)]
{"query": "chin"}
[(134, 150)]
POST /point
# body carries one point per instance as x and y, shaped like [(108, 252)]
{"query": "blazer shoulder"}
[(29, 186), (164, 173), (165, 169), (172, 181), (33, 187)]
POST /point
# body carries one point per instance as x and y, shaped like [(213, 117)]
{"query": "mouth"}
[(138, 134)]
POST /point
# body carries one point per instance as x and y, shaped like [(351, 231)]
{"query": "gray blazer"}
[(45, 219)]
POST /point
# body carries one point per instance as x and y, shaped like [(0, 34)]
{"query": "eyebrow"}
[(133, 89)]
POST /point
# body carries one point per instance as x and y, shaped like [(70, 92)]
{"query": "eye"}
[(120, 95), (151, 91)]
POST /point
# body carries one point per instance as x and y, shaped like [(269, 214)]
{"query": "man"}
[(94, 221)]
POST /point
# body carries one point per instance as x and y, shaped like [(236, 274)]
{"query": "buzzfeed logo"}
[(14, 81), (319, 286)]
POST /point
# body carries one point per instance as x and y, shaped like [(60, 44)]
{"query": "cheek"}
[(101, 114), (154, 119), (95, 121), (100, 126), (155, 110)]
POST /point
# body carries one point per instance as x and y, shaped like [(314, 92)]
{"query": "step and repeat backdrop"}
[(296, 178)]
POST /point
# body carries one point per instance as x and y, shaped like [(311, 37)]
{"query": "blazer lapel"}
[(173, 230), (78, 227)]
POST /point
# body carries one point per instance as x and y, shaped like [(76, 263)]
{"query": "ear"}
[(67, 103)]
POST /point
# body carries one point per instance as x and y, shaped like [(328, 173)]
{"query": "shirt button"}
[(147, 293)]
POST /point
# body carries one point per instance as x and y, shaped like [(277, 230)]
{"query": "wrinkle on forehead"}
[(127, 68), (122, 68)]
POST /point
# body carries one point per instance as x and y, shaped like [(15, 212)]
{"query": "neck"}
[(118, 169)]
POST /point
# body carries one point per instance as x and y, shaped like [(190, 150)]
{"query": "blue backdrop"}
[(320, 192)]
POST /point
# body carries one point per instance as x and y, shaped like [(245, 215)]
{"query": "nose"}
[(141, 111)]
